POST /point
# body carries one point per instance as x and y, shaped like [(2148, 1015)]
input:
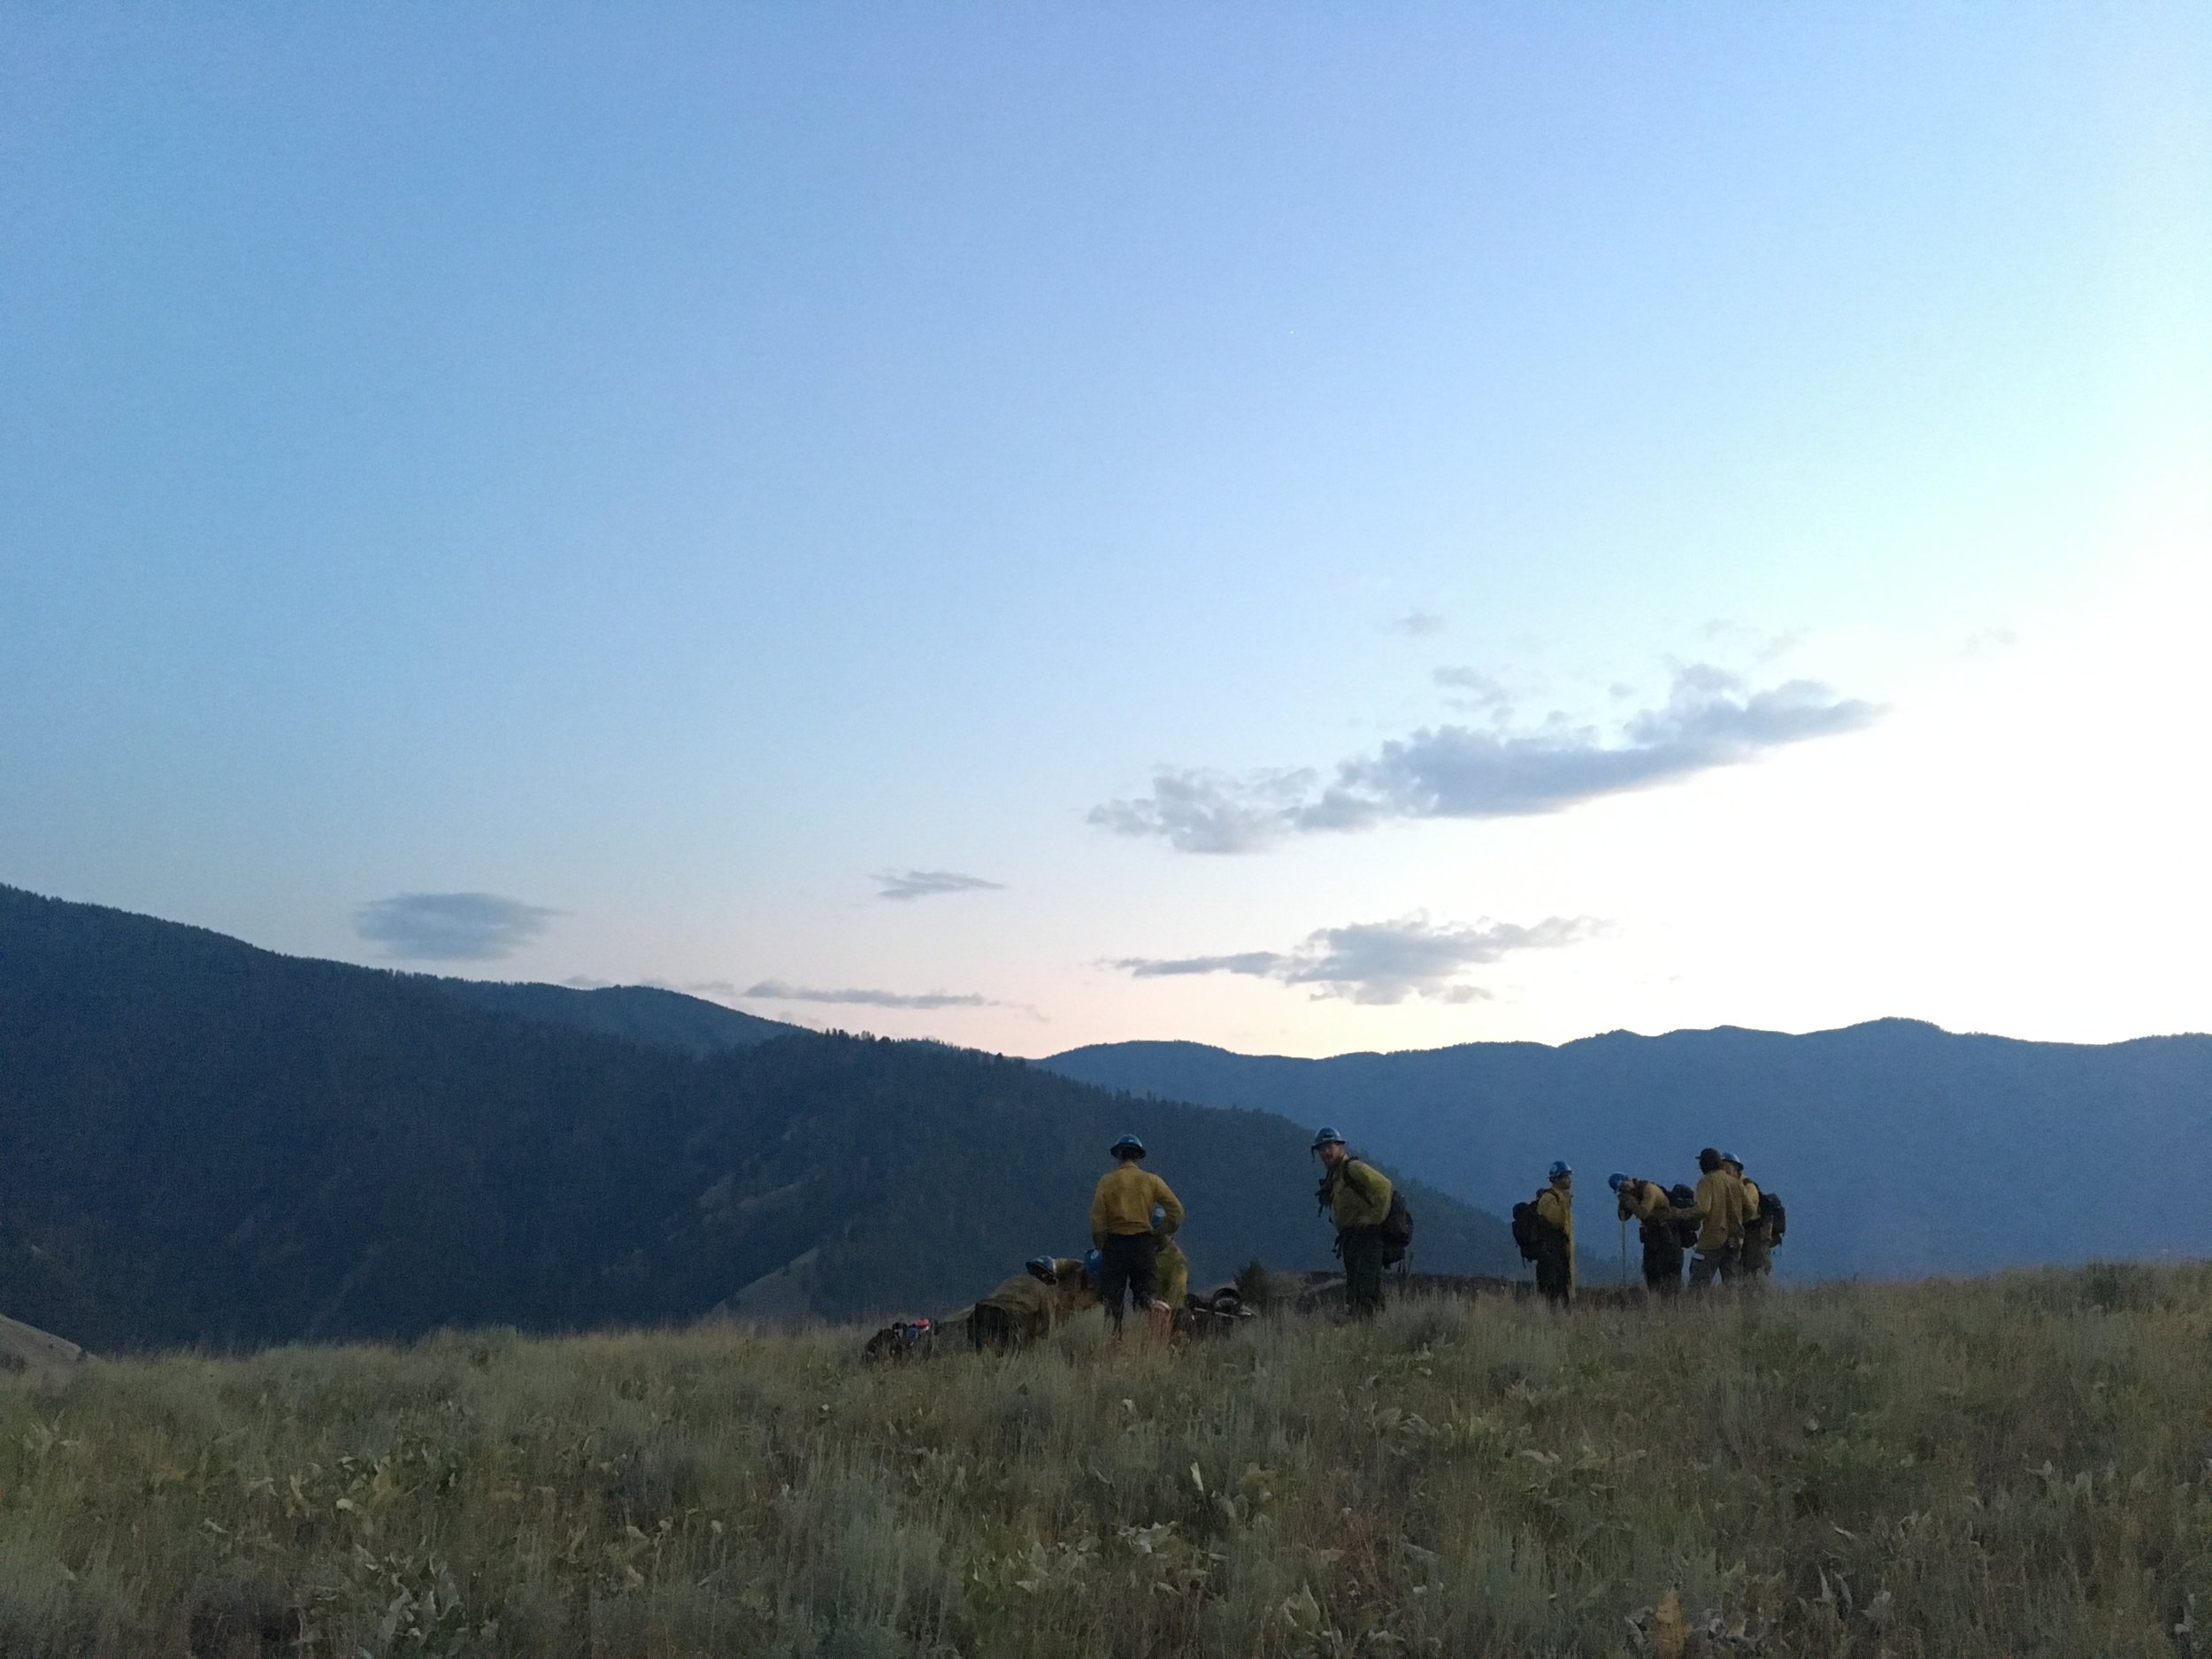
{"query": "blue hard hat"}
[(1327, 1137), (1042, 1267), (1159, 1214), (1094, 1262), (1729, 1157), (1559, 1168), (1617, 1181), (1128, 1144)]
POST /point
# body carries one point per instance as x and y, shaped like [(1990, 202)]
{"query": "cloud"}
[(1420, 624), (922, 884), (1201, 811), (585, 982), (781, 991), (451, 927), (1382, 962), (1479, 694), (1710, 720)]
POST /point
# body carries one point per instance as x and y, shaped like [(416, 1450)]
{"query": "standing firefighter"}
[(1658, 1225), (1123, 1228), (1719, 1211), (1762, 1223), (1555, 1237), (1361, 1201)]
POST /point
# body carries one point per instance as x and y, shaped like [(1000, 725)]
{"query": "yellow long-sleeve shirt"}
[(1556, 1209), (1170, 1275), (1123, 1203), (1645, 1202), (1359, 1194), (1719, 1211)]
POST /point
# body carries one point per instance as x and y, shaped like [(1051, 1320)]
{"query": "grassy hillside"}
[(1942, 1471), (205, 1143), (1901, 1148)]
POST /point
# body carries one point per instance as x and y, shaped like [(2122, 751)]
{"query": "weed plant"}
[(2015, 1466)]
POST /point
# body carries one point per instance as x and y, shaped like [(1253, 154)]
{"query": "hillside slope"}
[(1900, 1148), (643, 1013), (208, 1142)]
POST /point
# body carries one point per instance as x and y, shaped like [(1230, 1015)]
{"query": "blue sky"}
[(658, 476)]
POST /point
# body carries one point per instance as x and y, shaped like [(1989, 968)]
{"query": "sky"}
[(1303, 528)]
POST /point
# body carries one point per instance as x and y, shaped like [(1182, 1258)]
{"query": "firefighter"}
[(1356, 1194), (1719, 1211), (1555, 1245), (1658, 1224), (1124, 1229)]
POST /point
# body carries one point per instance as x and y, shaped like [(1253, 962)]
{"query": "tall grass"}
[(2015, 1466)]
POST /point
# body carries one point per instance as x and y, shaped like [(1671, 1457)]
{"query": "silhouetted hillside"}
[(1899, 1147), (643, 1013), (200, 1140)]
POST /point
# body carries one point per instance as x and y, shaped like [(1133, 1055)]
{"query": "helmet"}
[(1559, 1168), (1327, 1137), (1044, 1268), (1094, 1263), (1127, 1147), (1617, 1181), (1729, 1157)]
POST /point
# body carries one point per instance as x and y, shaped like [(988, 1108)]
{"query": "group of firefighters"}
[(1726, 1224), (1726, 1227)]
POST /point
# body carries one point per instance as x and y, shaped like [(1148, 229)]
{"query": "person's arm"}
[(1371, 1185), (1098, 1216), (1164, 1196)]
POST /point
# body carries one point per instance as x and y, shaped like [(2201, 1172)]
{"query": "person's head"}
[(1561, 1177), (1729, 1162), (1043, 1269), (1128, 1149), (1708, 1160), (1617, 1181), (1328, 1146)]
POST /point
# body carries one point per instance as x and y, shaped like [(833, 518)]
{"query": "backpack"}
[(1682, 1195), (1772, 1212), (1528, 1232), (1396, 1230)]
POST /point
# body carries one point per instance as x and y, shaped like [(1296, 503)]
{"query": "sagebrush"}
[(2014, 1466)]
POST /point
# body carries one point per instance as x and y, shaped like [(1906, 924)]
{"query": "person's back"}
[(1123, 1227)]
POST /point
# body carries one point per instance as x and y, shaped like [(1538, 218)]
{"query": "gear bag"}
[(1777, 1219), (1396, 1230), (1682, 1195), (1528, 1232)]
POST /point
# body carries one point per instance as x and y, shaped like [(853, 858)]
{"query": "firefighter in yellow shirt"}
[(1555, 1255), (1658, 1224), (1758, 1228), (1719, 1212), (1123, 1228)]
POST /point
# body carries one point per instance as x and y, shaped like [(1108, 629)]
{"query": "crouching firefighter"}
[(1373, 1226), (1123, 1228), (1025, 1309), (1659, 1225)]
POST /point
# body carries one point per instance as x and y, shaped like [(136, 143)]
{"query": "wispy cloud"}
[(783, 991), (451, 927), (922, 884), (1382, 962), (1711, 719), (1419, 624)]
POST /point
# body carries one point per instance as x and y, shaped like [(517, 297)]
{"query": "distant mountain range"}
[(200, 1141), (1899, 1147)]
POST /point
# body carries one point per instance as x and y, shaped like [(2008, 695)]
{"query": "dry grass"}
[(2007, 1467)]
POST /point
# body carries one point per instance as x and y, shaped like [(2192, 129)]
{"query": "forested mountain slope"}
[(203, 1142), (1899, 1147)]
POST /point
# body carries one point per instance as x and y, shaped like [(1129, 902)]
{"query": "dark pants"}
[(1362, 1248), (1125, 1262), (1554, 1281), (1725, 1264), (1663, 1264)]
